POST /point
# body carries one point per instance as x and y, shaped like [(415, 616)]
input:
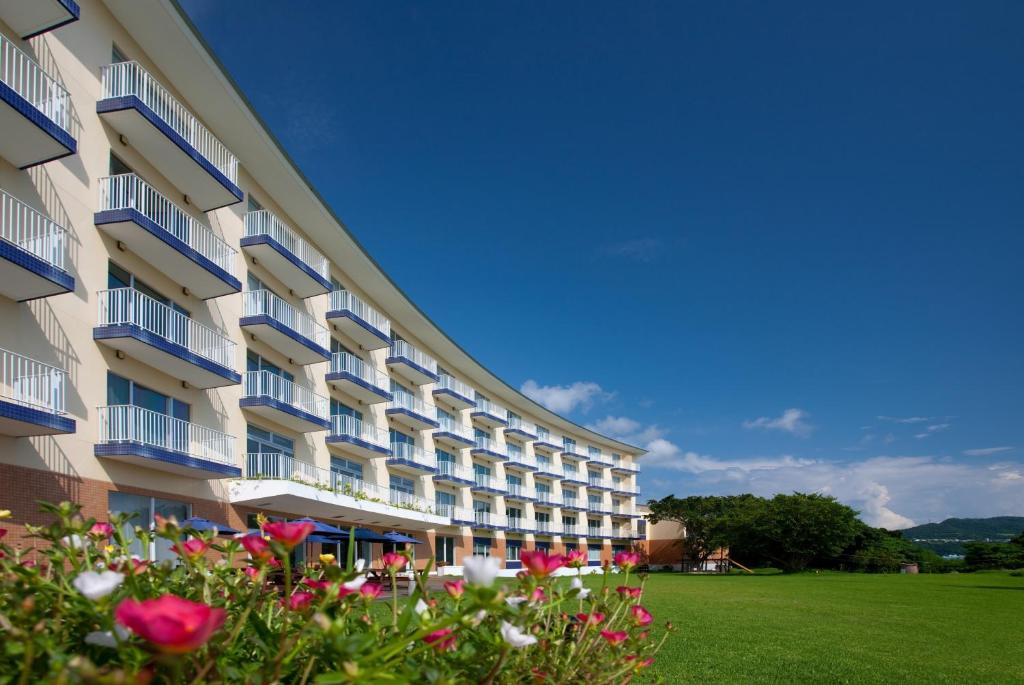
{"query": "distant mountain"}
[(948, 537)]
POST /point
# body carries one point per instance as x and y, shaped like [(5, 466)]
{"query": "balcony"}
[(358, 437), (598, 508), (168, 135), (519, 524), (571, 530), (483, 520), (521, 460), (166, 236), (165, 339), (146, 438), (32, 251), (412, 458), (622, 512), (485, 448), (292, 260), (275, 482), (548, 470), (35, 114), (488, 484), (358, 379), (624, 468), (489, 413), (574, 477), (450, 472), (275, 398), (545, 528), (547, 443), (412, 412), (28, 19), (31, 397), (598, 483), (521, 493), (517, 428), (453, 434), (572, 503), (599, 459), (599, 532), (412, 364), (624, 489), (359, 321), (548, 499), (573, 452), (455, 393), (288, 330)]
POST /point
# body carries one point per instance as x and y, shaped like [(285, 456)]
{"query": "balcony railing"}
[(522, 458), (417, 455), (273, 466), (485, 406), (455, 428), (401, 348), (266, 303), (486, 518), (413, 404), (450, 468), (128, 423), (572, 529), (343, 362), (130, 307), (549, 498), (24, 76), (596, 507), (129, 78), (517, 423), (519, 523), (518, 490), (544, 527), (32, 231), (621, 511), (484, 480), (456, 386), (267, 384), (550, 470), (574, 450), (128, 191), (599, 482), (30, 383), (342, 300), (570, 501), (489, 445), (263, 222), (350, 426), (572, 474)]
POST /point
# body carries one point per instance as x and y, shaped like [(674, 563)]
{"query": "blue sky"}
[(778, 246)]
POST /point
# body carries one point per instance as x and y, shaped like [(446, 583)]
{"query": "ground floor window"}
[(482, 547), (543, 546), (144, 510), (512, 550), (444, 550), (594, 556)]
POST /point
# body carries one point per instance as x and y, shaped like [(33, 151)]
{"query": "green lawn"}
[(840, 628)]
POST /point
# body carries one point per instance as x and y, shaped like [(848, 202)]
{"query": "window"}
[(542, 433), (594, 556), (543, 488), (254, 204), (512, 549), (444, 550), (337, 346), (641, 527), (444, 418), (400, 484), (543, 460), (444, 500), (144, 510), (569, 444), (570, 468), (116, 56), (482, 547), (400, 390), (542, 517), (401, 438), (260, 441), (339, 408), (616, 458), (119, 277), (481, 470), (481, 433), (542, 546), (256, 362), (513, 480), (514, 451), (444, 457), (514, 513), (568, 520), (480, 506), (122, 390), (571, 547), (346, 467), (117, 166), (595, 501), (618, 548), (594, 452)]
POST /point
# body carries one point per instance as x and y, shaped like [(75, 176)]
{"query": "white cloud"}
[(987, 451), (565, 398), (627, 430), (792, 421), (931, 430), (906, 419), (643, 250)]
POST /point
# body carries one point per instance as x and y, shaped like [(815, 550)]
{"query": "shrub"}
[(78, 608)]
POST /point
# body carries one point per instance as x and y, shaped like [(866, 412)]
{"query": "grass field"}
[(840, 628)]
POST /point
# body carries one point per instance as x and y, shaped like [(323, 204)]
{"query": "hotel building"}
[(188, 329)]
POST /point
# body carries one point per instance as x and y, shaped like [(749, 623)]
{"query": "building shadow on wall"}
[(39, 49), (60, 354), (48, 200)]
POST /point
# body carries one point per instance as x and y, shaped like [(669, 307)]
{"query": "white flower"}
[(514, 601), (73, 541), (106, 638), (360, 565), (481, 570), (577, 584), (478, 618), (95, 585), (421, 607), (515, 637), (355, 583)]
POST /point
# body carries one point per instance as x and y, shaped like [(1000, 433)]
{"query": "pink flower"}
[(101, 530), (640, 664), (314, 584), (288, 533), (575, 559), (299, 600), (252, 572), (131, 567), (540, 564), (441, 639), (538, 595), (627, 560), (455, 588), (633, 592), (172, 624), (393, 562), (3, 532), (192, 549), (371, 590), (257, 547), (614, 637), (641, 615), (592, 619)]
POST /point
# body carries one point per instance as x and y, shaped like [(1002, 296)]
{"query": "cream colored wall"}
[(58, 330)]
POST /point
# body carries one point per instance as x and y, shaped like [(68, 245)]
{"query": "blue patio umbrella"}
[(325, 539), (395, 536), (321, 528), (367, 535), (202, 525)]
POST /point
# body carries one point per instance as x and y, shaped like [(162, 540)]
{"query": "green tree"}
[(985, 555), (703, 520)]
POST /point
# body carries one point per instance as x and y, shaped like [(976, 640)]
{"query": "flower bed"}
[(82, 610)]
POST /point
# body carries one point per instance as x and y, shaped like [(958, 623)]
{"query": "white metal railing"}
[(571, 472), (458, 387), (350, 426), (455, 428), (127, 306), (445, 509), (548, 498), (267, 384), (343, 300), (486, 518), (483, 443), (343, 362), (450, 468), (570, 501), (484, 405), (573, 450), (596, 507), (128, 191), (486, 480), (570, 529), (519, 523), (275, 466), (263, 222), (544, 435), (515, 422), (597, 456), (519, 490), (463, 513), (128, 423), (598, 482), (619, 510), (30, 383), (32, 231), (264, 302), (402, 400), (544, 527), (129, 78), (25, 77), (522, 458), (417, 455), (549, 469), (402, 348)]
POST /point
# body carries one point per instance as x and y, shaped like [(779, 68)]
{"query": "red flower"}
[(174, 625), (371, 590), (299, 601), (441, 639), (393, 562), (641, 664), (257, 547), (192, 549), (540, 564), (101, 530), (3, 532), (538, 595), (288, 533), (627, 560), (633, 592), (131, 567), (252, 572), (591, 619), (614, 637), (576, 559), (641, 615), (314, 584), (455, 588)]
